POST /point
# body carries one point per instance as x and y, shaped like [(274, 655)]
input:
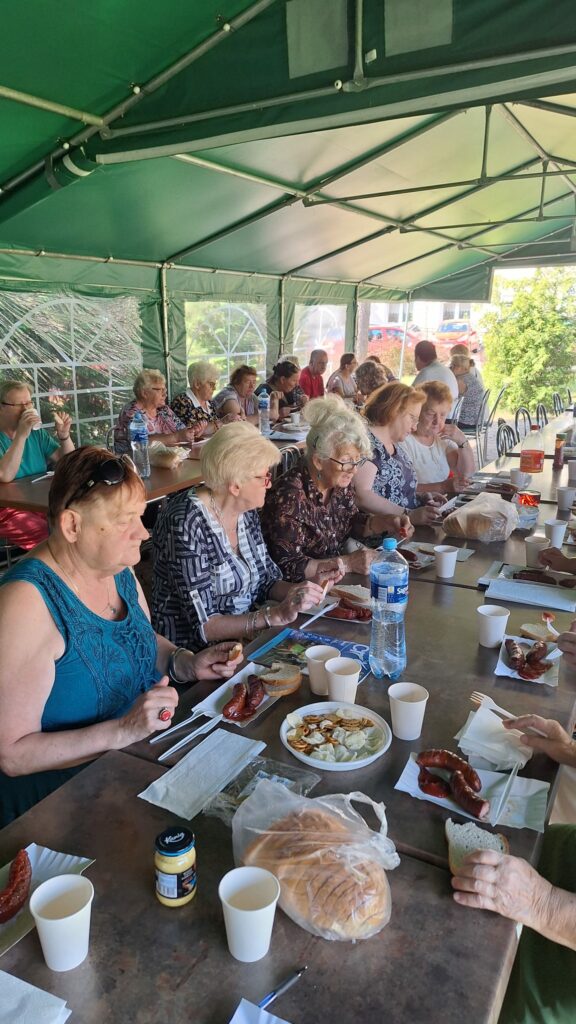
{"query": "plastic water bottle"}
[(264, 412), (389, 590), (138, 434)]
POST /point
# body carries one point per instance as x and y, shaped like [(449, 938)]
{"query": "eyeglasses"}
[(18, 405), (160, 389), (349, 466), (211, 383), (111, 472), (266, 479)]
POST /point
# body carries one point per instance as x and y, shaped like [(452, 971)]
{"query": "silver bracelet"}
[(266, 613), (171, 668)]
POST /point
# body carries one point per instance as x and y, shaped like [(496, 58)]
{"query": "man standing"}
[(26, 449), (311, 376), (430, 368)]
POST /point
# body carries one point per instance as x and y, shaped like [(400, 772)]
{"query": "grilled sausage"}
[(446, 759), (537, 653), (516, 656), (466, 797), (234, 709), (14, 896), (256, 694), (433, 784), (535, 576)]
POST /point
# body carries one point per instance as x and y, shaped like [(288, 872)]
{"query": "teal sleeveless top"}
[(105, 667)]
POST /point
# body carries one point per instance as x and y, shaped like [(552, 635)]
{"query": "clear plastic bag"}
[(225, 804), (331, 866), (487, 518)]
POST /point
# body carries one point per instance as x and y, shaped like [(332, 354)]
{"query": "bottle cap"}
[(389, 544), (174, 841)]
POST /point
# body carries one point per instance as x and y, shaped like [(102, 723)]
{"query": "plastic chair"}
[(523, 415), (505, 439), (558, 404), (485, 428), (569, 396), (541, 415)]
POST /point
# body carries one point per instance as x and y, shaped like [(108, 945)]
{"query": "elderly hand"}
[(214, 663), (300, 597), (329, 572), (556, 742), (567, 643), (361, 560), (402, 527), (554, 559), (425, 515), (433, 498), (231, 417), (451, 432), (27, 421), (142, 718), (63, 424), (489, 880)]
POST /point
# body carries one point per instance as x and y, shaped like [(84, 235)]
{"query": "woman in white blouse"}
[(439, 451)]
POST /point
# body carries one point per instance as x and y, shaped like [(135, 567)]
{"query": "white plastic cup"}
[(343, 675), (316, 658), (407, 707), (446, 557), (519, 479), (533, 546), (249, 897), (565, 498), (555, 530), (492, 621), (61, 910), (572, 471), (295, 418)]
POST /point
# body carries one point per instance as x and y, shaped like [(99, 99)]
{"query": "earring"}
[(319, 475)]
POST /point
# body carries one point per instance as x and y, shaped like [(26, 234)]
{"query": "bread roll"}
[(328, 885), (281, 679), (463, 839)]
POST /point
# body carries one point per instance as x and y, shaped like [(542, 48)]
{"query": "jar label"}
[(177, 886), (531, 461)]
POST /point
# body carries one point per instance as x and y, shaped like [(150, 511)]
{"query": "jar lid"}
[(174, 841)]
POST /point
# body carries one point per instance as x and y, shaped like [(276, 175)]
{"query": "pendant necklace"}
[(218, 515), (108, 607)]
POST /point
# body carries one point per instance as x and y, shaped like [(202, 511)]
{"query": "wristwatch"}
[(464, 443)]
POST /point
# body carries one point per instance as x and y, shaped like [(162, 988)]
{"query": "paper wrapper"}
[(45, 864), (247, 1013), (26, 1004), (525, 807), (549, 678), (487, 744)]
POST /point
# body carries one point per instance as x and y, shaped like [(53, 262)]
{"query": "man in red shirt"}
[(311, 376)]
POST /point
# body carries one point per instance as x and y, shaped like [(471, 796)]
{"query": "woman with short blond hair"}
[(212, 572), (162, 424), (439, 451), (194, 406)]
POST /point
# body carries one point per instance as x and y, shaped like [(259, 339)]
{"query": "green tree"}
[(529, 338)]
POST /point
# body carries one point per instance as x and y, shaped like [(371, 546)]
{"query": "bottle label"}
[(390, 593), (531, 461), (174, 887)]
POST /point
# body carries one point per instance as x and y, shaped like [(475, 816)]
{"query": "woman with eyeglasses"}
[(311, 519), (213, 575), (25, 448), (82, 670), (162, 423), (387, 483), (440, 453), (194, 406)]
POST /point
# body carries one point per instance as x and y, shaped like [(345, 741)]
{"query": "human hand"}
[(300, 597), (143, 717), (451, 432), (361, 560), (433, 498), (214, 662), (567, 643), (489, 880), (553, 558), (29, 419), (425, 515), (460, 482), (230, 417), (63, 424), (329, 572), (303, 400), (402, 527), (556, 742)]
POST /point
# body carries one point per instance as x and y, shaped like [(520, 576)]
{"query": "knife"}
[(505, 794)]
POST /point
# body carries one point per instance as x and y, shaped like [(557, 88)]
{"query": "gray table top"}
[(546, 482), (557, 425)]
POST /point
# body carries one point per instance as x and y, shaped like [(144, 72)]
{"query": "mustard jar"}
[(175, 865)]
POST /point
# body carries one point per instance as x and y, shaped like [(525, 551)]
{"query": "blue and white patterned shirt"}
[(395, 477), (197, 574)]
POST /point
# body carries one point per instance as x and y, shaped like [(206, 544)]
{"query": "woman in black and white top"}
[(212, 571)]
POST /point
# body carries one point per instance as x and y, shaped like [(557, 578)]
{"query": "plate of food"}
[(244, 697), (547, 577), (354, 604), (418, 557), (525, 660), (335, 737)]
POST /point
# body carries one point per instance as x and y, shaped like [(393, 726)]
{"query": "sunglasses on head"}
[(111, 472)]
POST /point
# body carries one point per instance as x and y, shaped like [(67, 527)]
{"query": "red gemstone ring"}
[(164, 714)]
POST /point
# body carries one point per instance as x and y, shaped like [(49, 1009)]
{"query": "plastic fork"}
[(484, 701), (192, 735)]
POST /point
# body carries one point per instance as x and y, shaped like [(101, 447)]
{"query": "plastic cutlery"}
[(191, 735), (505, 794), (483, 700), (185, 721), (323, 611)]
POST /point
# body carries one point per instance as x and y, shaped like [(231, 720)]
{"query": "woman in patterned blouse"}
[(311, 511), (212, 570), (387, 483), (193, 406), (162, 424)]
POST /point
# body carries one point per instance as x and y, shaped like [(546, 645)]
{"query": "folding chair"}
[(558, 404), (455, 414), (485, 428), (288, 457), (505, 438), (541, 415), (523, 415), (476, 430), (569, 396)]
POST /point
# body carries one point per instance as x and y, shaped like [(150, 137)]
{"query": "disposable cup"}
[(249, 897), (61, 910), (295, 418), (555, 530), (492, 620), (533, 546), (316, 658), (407, 707), (518, 478), (343, 675), (572, 471), (446, 557), (565, 498)]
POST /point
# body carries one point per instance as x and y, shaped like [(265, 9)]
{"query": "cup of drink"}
[(565, 498), (572, 471), (533, 546), (555, 530), (343, 675), (407, 707), (61, 910), (446, 556), (295, 418), (519, 479), (492, 621), (249, 897), (530, 499), (316, 658)]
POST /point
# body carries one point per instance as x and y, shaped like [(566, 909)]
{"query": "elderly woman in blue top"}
[(82, 670), (212, 571)]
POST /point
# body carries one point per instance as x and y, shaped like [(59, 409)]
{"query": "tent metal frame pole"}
[(28, 100), (528, 137), (235, 172), (165, 327), (405, 335), (552, 108), (282, 316), (355, 301)]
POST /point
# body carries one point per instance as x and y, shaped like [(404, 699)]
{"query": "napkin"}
[(26, 1004), (289, 435), (200, 775), (247, 1013), (524, 808), (45, 863), (484, 738), (535, 594)]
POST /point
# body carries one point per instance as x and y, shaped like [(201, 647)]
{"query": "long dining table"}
[(557, 425)]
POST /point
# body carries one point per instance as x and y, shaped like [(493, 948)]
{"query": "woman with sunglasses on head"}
[(310, 516), (212, 572), (162, 423), (82, 670)]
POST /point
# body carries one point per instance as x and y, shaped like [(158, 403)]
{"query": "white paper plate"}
[(213, 705), (338, 766), (550, 678), (327, 603)]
